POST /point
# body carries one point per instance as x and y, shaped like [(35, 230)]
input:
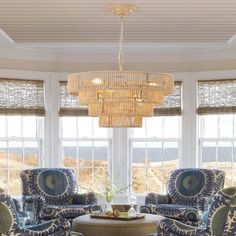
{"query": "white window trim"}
[(38, 139), (162, 140), (95, 139)]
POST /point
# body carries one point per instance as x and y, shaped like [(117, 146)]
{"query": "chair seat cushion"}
[(179, 212), (65, 211)]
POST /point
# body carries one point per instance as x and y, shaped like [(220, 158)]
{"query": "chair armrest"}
[(155, 198), (24, 217), (173, 227), (147, 209), (91, 198), (84, 198), (53, 227), (34, 204), (151, 200), (34, 199), (95, 208)]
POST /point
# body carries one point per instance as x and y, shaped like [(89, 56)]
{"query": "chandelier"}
[(120, 98)]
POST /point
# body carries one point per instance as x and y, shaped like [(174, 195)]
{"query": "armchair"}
[(187, 189), (9, 222), (221, 219), (52, 192)]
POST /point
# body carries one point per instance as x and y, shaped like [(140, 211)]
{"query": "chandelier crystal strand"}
[(120, 98)]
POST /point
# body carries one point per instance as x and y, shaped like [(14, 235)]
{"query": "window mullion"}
[(92, 164), (232, 161), (146, 158), (22, 142), (162, 148), (8, 161), (217, 142)]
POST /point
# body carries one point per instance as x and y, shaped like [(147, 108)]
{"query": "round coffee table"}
[(91, 227)]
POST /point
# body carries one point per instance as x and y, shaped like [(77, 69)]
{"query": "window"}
[(155, 152), (155, 148), (217, 126), (85, 146), (218, 144), (21, 130), (20, 148)]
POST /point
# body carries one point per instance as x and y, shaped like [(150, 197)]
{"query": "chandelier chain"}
[(121, 53)]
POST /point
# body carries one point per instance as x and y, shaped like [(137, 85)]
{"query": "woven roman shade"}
[(69, 105), (21, 97), (216, 96), (172, 104)]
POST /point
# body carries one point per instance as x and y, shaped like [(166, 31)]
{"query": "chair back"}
[(189, 186), (56, 185), (222, 214), (8, 215)]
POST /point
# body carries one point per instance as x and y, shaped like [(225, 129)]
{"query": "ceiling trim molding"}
[(77, 67), (5, 39), (232, 40), (132, 55), (61, 55)]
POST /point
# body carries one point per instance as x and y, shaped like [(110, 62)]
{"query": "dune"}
[(153, 178)]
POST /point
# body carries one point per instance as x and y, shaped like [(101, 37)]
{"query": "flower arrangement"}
[(109, 191)]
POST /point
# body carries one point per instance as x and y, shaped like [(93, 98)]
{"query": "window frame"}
[(39, 139), (78, 139), (217, 140), (162, 140)]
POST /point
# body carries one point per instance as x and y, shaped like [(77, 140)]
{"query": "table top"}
[(86, 220)]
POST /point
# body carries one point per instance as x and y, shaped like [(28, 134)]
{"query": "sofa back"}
[(189, 186), (56, 185)]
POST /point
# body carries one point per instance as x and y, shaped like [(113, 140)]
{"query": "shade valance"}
[(216, 96), (172, 103), (21, 97)]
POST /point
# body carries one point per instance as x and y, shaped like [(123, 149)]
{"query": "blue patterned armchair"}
[(221, 219), (52, 192), (187, 190), (9, 222)]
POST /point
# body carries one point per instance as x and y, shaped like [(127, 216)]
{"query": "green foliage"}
[(110, 190)]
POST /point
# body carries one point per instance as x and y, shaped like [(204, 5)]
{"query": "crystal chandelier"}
[(120, 98)]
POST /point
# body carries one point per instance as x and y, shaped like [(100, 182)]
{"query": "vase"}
[(108, 207)]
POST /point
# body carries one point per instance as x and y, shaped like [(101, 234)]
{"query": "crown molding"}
[(65, 56), (5, 40)]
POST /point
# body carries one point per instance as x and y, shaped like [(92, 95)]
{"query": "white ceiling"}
[(76, 35), (88, 21)]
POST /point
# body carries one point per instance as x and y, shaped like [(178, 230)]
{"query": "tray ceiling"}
[(83, 21)]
